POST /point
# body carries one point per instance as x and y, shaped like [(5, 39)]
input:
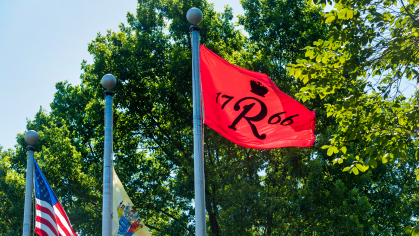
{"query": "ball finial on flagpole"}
[(194, 15), (31, 137), (108, 81)]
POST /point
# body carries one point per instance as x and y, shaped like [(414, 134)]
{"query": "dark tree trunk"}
[(212, 213), (269, 225)]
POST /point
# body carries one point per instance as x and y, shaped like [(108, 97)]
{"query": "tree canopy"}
[(345, 64), (371, 50)]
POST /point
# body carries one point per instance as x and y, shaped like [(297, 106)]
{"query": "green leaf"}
[(349, 14), (325, 146), (336, 160), (297, 73), (335, 150), (355, 170), (343, 149), (415, 232), (385, 158), (330, 150), (330, 19), (373, 163), (346, 169), (342, 13), (360, 167), (408, 229)]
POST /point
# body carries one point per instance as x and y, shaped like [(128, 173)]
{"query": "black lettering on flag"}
[(246, 108), (278, 119), (228, 100), (216, 100), (289, 119)]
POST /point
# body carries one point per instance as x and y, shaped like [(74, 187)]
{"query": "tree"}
[(12, 185), (371, 50), (289, 191)]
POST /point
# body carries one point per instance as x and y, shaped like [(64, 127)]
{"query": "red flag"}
[(248, 109)]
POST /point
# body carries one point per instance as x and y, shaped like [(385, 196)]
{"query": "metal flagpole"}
[(108, 82), (31, 137), (194, 16)]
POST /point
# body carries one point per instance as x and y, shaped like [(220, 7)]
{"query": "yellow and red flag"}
[(125, 218)]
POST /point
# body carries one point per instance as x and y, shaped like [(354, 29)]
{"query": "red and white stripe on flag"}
[(51, 219)]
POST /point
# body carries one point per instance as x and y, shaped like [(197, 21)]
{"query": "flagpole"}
[(108, 82), (31, 137), (194, 16)]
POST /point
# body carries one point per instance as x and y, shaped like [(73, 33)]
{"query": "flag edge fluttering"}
[(62, 212), (261, 77)]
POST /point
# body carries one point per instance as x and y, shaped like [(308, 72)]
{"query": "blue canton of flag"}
[(51, 220)]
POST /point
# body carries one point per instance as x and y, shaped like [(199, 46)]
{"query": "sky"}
[(43, 42)]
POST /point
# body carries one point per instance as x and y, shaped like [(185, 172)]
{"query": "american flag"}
[(50, 216)]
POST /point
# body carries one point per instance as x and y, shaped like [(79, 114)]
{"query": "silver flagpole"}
[(108, 82), (194, 16), (31, 137)]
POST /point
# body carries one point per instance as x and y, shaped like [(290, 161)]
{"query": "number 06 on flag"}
[(247, 108)]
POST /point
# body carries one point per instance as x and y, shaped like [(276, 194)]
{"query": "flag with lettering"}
[(51, 218), (247, 108)]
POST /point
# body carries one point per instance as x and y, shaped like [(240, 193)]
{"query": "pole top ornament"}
[(108, 81), (194, 15), (31, 137)]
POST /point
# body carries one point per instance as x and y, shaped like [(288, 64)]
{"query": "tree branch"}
[(152, 227), (167, 153), (180, 147), (407, 11), (171, 216), (80, 194), (91, 150)]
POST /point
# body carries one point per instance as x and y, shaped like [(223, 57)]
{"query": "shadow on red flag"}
[(248, 109)]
